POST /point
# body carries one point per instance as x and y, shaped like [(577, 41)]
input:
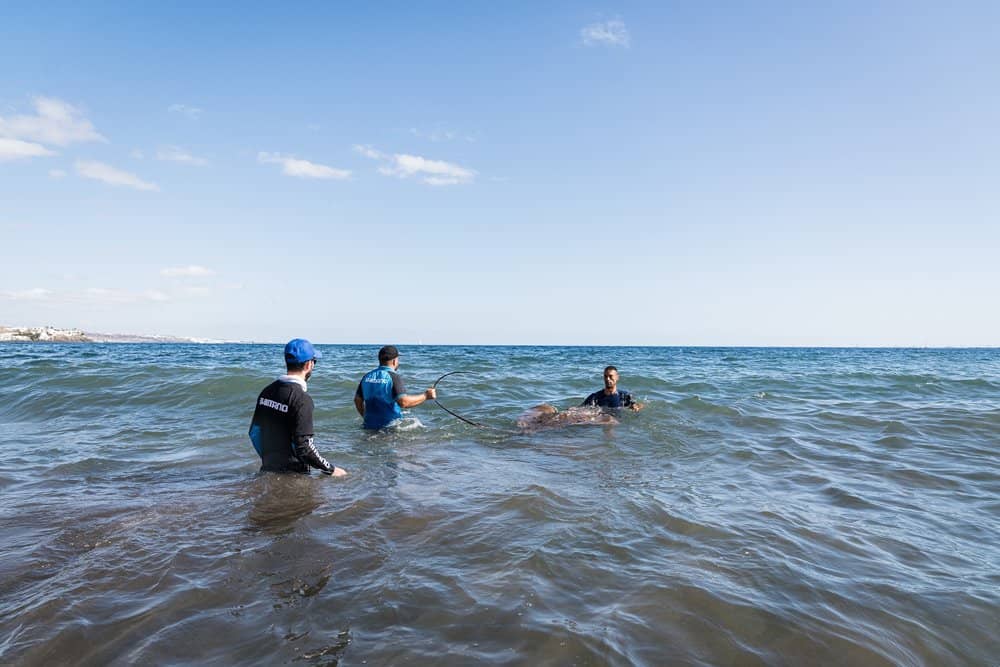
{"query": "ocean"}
[(768, 506)]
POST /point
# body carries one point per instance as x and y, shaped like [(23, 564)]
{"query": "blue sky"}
[(541, 173)]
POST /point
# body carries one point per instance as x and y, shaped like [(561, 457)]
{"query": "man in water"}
[(282, 427), (611, 396), (381, 396)]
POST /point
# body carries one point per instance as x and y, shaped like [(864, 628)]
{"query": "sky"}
[(563, 173)]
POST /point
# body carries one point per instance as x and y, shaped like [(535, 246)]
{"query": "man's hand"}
[(338, 472), (635, 407), (430, 394)]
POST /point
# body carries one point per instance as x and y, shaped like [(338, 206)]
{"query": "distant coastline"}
[(50, 334)]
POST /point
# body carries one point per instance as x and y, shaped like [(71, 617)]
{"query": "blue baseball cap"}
[(299, 351)]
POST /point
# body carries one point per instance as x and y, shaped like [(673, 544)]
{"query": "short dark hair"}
[(387, 354), (610, 368), (295, 366)]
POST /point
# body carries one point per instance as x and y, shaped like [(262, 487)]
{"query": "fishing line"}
[(454, 414), (502, 431)]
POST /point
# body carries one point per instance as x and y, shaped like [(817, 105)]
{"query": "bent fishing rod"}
[(454, 414)]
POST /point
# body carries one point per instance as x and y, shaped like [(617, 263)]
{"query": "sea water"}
[(768, 506)]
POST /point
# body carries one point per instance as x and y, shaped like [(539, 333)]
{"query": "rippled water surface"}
[(769, 506)]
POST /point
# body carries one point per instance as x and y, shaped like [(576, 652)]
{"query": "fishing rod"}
[(454, 414)]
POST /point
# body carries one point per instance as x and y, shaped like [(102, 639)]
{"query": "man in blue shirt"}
[(611, 396), (381, 396)]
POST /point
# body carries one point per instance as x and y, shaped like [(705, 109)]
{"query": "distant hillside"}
[(56, 335)]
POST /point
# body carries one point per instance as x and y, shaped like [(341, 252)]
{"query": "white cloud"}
[(292, 166), (191, 112), (191, 271), (57, 123), (57, 173), (431, 172), (155, 295), (608, 33), (434, 135), (368, 151), (104, 296), (441, 134), (119, 296), (36, 294), (108, 174), (177, 154), (15, 149)]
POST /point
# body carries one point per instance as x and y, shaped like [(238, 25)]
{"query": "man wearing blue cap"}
[(282, 427)]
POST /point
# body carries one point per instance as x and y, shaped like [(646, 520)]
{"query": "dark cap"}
[(299, 351), (387, 353)]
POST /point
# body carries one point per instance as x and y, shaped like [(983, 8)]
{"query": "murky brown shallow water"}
[(778, 507)]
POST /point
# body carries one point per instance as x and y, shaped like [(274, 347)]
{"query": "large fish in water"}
[(548, 416)]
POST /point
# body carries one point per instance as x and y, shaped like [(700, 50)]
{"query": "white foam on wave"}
[(407, 424)]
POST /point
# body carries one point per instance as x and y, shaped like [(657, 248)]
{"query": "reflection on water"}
[(279, 500)]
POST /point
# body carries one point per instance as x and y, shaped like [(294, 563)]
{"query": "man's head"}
[(388, 355), (301, 356), (610, 378)]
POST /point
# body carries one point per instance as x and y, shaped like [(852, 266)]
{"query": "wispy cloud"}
[(108, 174), (95, 295), (185, 110), (104, 296), (57, 173), (56, 122), (298, 168), (192, 271), (441, 134), (436, 134), (178, 154), (15, 149), (370, 152), (431, 172), (607, 33), (36, 294), (120, 296)]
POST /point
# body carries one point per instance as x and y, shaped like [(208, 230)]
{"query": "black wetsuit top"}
[(282, 430), (619, 399)]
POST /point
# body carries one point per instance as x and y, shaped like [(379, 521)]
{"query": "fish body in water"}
[(548, 416)]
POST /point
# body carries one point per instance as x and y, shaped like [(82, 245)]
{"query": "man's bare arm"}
[(413, 400)]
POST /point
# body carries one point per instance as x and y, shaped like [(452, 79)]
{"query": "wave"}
[(765, 507)]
